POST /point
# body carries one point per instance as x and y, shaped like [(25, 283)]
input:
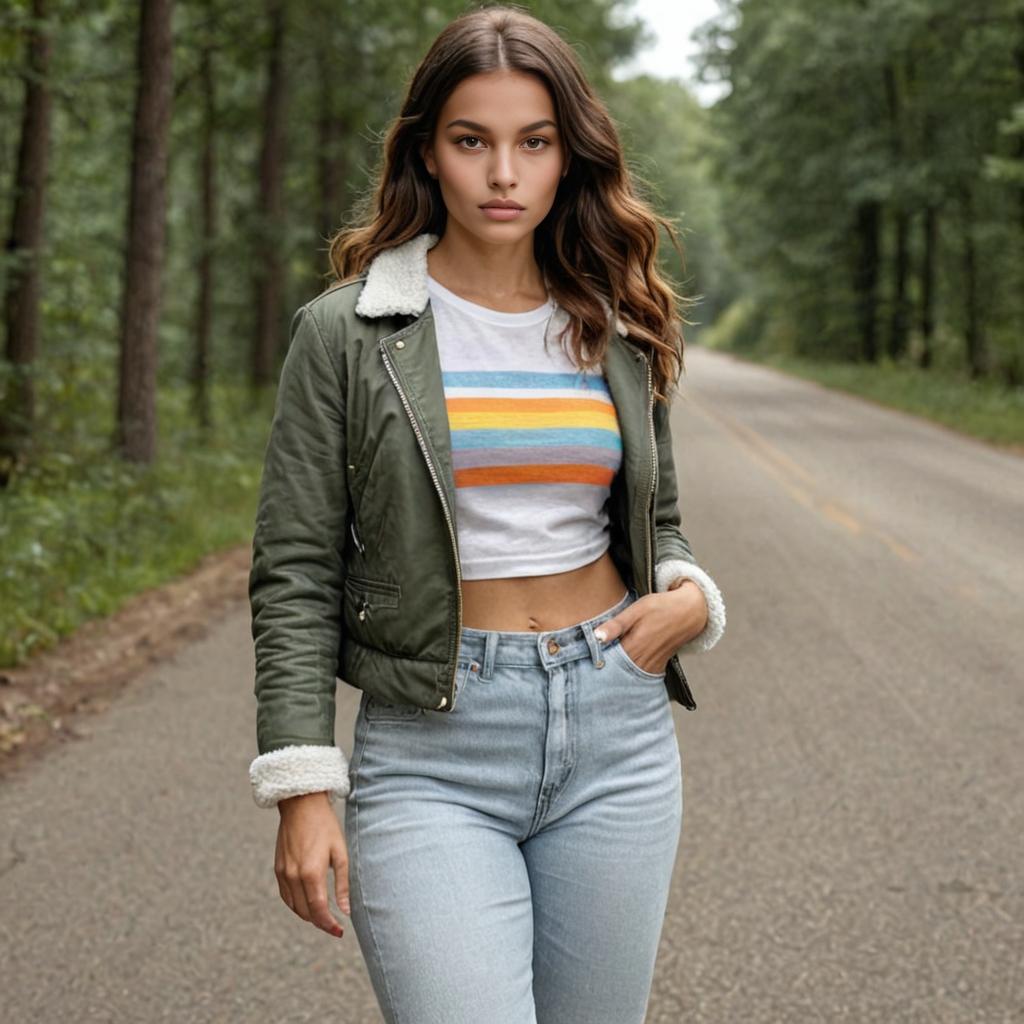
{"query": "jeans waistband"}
[(490, 647)]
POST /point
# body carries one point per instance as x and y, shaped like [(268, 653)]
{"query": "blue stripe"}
[(526, 438), (516, 379)]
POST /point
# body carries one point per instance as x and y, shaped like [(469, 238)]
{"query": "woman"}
[(469, 512)]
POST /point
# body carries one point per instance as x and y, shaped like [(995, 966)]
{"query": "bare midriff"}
[(523, 604)]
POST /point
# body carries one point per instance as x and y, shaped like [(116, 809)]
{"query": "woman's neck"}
[(504, 277)]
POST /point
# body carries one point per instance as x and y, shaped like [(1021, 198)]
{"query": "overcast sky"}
[(672, 21)]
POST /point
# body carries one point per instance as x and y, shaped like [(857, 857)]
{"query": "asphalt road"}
[(853, 811)]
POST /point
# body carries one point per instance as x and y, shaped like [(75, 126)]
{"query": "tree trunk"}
[(1018, 59), (929, 251), (332, 168), (135, 436), (868, 229), (21, 298), (269, 264), (977, 355), (208, 235), (1015, 366), (929, 260), (898, 319)]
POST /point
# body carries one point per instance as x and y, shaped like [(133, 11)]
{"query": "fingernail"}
[(599, 633), (346, 909)]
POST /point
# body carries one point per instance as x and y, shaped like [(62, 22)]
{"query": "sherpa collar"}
[(396, 281)]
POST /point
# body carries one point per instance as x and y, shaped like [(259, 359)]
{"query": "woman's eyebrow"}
[(482, 128)]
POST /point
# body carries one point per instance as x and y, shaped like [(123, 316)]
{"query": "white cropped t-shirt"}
[(535, 441)]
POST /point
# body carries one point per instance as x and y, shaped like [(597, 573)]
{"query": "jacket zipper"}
[(451, 698), (688, 701), (654, 480)]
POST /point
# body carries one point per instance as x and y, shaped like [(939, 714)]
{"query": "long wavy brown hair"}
[(599, 240)]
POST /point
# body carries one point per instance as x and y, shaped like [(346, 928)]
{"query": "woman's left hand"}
[(655, 626)]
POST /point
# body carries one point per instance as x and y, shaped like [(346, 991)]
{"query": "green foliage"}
[(82, 531), (740, 328), (846, 115), (667, 138)]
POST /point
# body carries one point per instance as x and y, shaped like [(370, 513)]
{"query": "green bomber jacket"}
[(355, 564)]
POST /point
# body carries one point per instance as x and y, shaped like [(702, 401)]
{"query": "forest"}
[(851, 210)]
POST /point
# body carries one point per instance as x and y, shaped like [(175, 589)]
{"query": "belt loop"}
[(595, 651), (490, 649)]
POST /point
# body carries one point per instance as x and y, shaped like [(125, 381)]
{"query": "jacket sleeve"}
[(296, 578), (675, 559)]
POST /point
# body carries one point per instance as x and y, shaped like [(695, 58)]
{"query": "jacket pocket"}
[(371, 612), (366, 595), (376, 710)]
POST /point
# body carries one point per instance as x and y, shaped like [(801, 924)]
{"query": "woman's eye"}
[(476, 138)]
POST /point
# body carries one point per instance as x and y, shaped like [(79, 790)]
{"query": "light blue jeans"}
[(510, 860)]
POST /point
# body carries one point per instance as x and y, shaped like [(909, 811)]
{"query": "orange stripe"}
[(553, 473)]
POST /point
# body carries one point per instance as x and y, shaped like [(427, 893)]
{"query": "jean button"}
[(552, 647)]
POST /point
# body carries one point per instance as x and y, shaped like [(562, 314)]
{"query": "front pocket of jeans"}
[(633, 667)]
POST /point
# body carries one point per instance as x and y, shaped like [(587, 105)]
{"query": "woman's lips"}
[(502, 212)]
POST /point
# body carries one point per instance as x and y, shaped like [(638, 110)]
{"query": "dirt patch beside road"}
[(48, 700)]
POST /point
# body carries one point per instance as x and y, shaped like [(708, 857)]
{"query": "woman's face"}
[(497, 138)]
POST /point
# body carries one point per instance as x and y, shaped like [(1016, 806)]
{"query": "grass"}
[(986, 409), (982, 409), (81, 531)]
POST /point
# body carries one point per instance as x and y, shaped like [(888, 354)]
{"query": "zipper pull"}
[(355, 537)]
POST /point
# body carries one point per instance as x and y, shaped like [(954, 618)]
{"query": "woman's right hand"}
[(309, 839)]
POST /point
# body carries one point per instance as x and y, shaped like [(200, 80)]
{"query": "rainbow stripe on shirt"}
[(521, 427)]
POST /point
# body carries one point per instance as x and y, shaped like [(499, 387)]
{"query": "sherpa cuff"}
[(671, 569), (290, 771)]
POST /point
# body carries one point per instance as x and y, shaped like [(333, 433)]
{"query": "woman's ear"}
[(427, 155)]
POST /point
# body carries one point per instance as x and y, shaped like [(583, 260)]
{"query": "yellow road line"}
[(799, 482)]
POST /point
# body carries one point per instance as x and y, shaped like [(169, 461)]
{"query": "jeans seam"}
[(571, 690)]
